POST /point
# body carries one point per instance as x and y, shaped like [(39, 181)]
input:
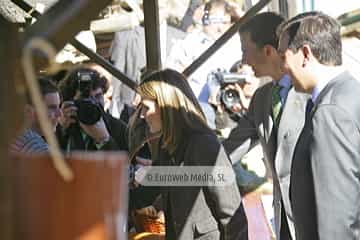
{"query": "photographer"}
[(230, 94), (84, 125)]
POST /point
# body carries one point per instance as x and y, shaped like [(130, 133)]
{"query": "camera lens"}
[(88, 112), (229, 98)]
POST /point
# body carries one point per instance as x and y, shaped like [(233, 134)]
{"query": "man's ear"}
[(307, 53), (268, 50)]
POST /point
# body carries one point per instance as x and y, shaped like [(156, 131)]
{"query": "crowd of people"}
[(305, 119)]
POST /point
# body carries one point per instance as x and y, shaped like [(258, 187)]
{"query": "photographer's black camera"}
[(89, 112), (228, 97)]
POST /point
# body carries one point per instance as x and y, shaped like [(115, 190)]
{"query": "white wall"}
[(333, 8)]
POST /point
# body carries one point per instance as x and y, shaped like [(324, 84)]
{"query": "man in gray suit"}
[(275, 116), (325, 185)]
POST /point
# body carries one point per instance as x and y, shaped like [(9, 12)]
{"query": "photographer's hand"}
[(97, 131), (213, 97), (68, 115), (244, 102)]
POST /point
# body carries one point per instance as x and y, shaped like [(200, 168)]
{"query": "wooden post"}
[(11, 119), (152, 35)]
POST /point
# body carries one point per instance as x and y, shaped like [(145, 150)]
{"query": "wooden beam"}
[(83, 49), (105, 64), (152, 35), (64, 20)]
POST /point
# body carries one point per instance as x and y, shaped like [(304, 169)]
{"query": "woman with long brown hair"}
[(192, 211)]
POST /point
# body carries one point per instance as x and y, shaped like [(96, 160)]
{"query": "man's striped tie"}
[(276, 104)]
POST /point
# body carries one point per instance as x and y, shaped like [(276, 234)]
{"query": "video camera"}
[(89, 112), (227, 97)]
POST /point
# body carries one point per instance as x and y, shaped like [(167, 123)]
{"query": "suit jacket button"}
[(286, 135)]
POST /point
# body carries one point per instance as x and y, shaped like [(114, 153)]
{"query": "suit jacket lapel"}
[(269, 127), (289, 113), (291, 123)]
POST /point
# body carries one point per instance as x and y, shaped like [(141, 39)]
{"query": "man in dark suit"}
[(275, 116), (325, 185)]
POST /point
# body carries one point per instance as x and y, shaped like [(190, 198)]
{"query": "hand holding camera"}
[(89, 111), (236, 90), (68, 116), (84, 109), (97, 131), (226, 90)]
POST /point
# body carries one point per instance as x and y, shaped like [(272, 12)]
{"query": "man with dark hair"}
[(325, 185), (84, 89), (275, 116), (32, 141), (259, 44)]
